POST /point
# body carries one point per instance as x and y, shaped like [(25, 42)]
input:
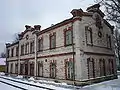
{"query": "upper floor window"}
[(52, 40), (17, 51), (32, 47), (40, 44), (22, 49), (68, 37), (88, 32), (12, 52), (108, 41), (26, 48), (8, 53)]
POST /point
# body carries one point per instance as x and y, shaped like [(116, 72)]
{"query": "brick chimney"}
[(27, 27), (77, 12), (37, 27)]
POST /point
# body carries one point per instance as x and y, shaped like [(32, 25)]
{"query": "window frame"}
[(65, 31), (40, 44), (50, 39), (89, 29), (32, 47), (22, 49)]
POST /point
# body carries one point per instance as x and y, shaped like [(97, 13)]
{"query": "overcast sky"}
[(15, 14)]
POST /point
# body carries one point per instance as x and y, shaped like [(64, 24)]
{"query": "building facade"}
[(77, 49)]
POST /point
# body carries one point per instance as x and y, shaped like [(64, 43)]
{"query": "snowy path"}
[(107, 85)]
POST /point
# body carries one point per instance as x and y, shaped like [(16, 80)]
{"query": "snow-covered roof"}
[(2, 61)]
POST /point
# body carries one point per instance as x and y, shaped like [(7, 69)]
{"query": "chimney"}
[(27, 27), (37, 27), (77, 12)]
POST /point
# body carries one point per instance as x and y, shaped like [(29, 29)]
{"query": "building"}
[(2, 64), (79, 49)]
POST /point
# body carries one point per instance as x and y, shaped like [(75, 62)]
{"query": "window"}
[(22, 49), (68, 37), (17, 51), (102, 67), (40, 68), (52, 69), (12, 52), (111, 67), (69, 70), (108, 41), (52, 41), (89, 39), (26, 48), (21, 68), (32, 47), (16, 68), (8, 53), (11, 68), (91, 68), (31, 69), (40, 44)]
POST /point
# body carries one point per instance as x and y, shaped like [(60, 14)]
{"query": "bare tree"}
[(16, 37), (112, 11), (3, 55)]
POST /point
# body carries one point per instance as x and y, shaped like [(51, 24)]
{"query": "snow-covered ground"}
[(107, 85)]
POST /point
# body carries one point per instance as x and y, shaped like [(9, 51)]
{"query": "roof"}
[(2, 61)]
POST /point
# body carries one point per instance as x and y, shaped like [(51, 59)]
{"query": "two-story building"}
[(78, 49)]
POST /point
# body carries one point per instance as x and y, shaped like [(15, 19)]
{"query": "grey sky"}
[(15, 14)]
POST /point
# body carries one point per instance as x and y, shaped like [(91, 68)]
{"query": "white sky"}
[(15, 14)]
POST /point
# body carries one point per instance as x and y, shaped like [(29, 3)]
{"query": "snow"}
[(107, 85), (2, 61), (31, 78), (19, 77)]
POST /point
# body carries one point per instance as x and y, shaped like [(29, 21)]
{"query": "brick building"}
[(77, 49)]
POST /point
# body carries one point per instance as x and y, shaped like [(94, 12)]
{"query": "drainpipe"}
[(73, 55), (37, 29), (6, 71), (18, 58)]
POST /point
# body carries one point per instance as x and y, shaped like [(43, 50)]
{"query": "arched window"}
[(111, 67), (52, 69), (31, 69), (40, 68), (102, 67), (91, 68), (69, 69)]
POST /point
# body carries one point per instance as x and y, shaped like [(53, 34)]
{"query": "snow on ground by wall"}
[(107, 85)]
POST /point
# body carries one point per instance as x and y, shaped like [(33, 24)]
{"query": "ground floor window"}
[(40, 68), (69, 70), (11, 68), (16, 68), (52, 69), (91, 68), (102, 67), (21, 68), (26, 69), (31, 69), (111, 66)]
